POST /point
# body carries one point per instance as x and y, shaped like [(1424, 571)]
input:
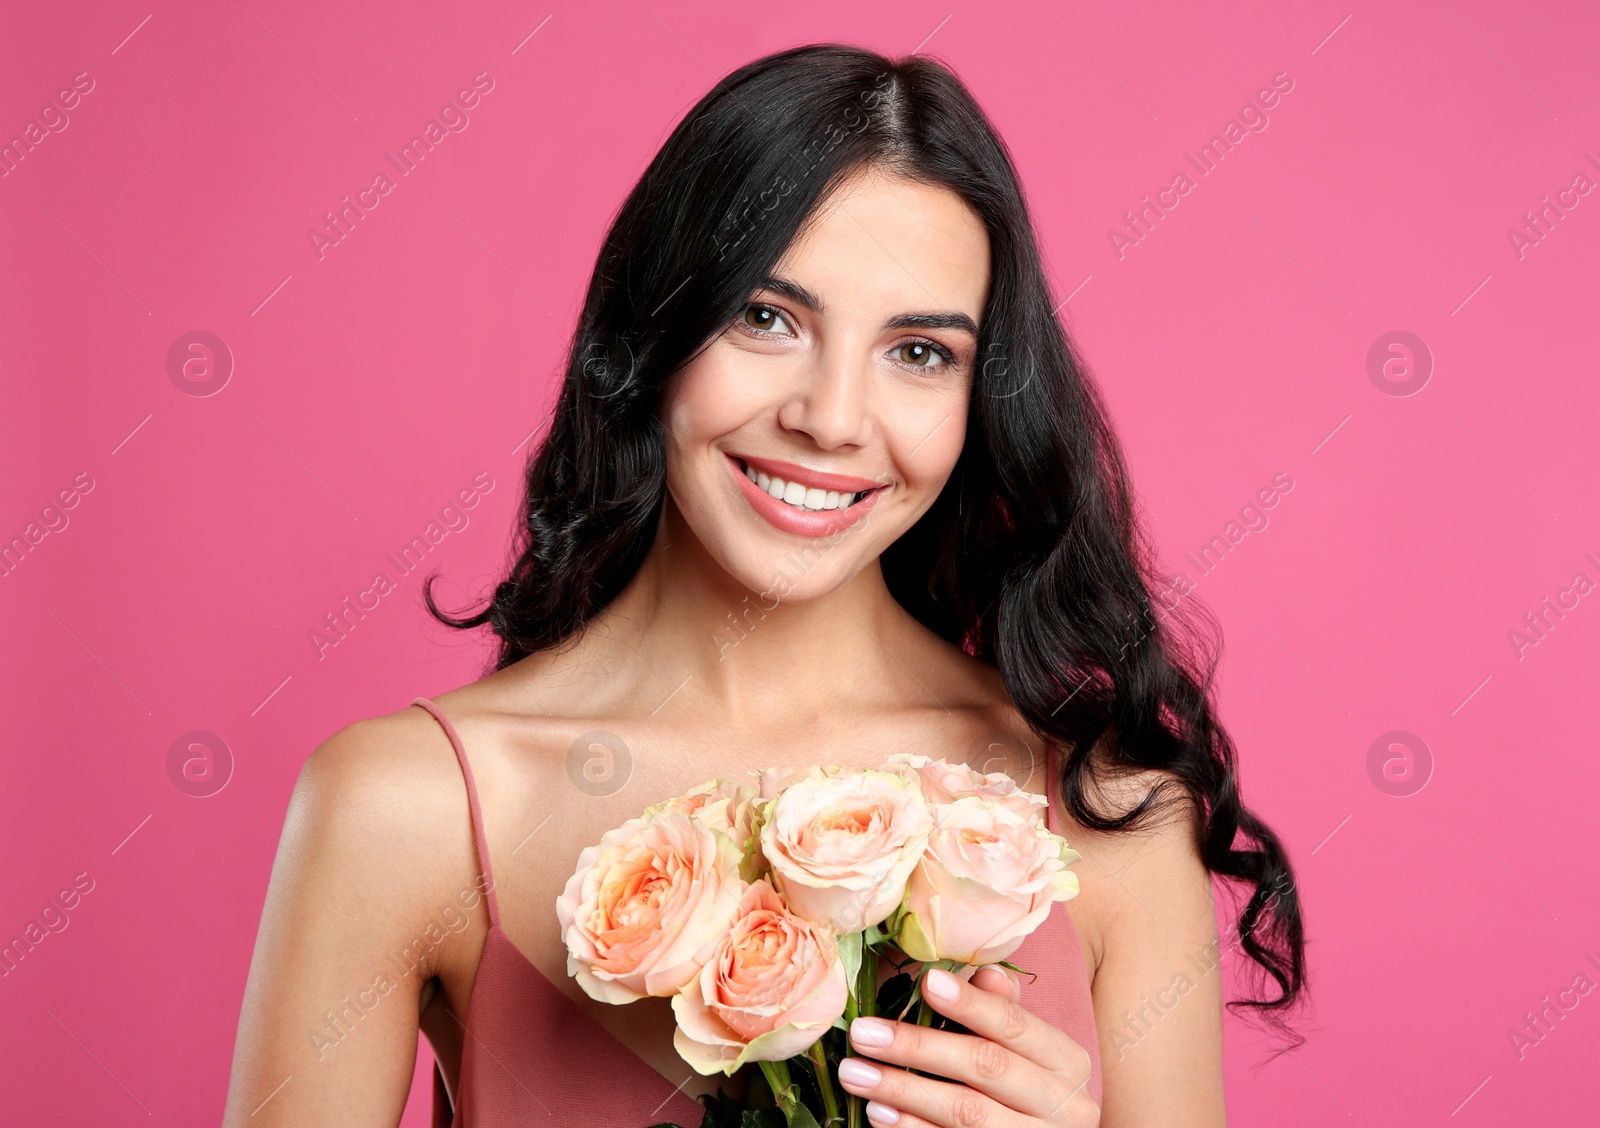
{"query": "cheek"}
[(706, 402), (708, 399), (929, 438)]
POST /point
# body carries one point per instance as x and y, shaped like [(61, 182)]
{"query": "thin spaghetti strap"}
[(474, 809)]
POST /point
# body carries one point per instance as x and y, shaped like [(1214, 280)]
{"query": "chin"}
[(807, 569)]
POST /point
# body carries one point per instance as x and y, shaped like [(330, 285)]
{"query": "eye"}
[(764, 319), (925, 354)]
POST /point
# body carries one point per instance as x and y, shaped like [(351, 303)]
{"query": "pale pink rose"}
[(841, 847), (772, 987), (985, 881), (720, 804), (648, 905), (772, 782), (943, 782)]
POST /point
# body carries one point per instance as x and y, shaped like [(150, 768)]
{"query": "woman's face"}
[(841, 387)]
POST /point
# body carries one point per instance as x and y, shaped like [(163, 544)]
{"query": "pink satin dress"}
[(532, 1057)]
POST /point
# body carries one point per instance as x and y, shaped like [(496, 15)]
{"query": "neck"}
[(684, 620)]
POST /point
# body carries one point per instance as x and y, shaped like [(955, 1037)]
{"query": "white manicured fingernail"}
[(854, 1071), (881, 1114), (874, 1033), (940, 984)]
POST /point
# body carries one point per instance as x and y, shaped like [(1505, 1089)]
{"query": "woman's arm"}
[(328, 1032), (1158, 987)]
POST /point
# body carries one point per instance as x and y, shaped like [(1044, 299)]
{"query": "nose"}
[(832, 403)]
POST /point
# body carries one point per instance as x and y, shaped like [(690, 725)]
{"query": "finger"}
[(882, 1116), (885, 1116), (920, 1100), (1001, 1020), (997, 981), (982, 1065)]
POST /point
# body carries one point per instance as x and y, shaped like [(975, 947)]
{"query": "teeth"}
[(799, 496)]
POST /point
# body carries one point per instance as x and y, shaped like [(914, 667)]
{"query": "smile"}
[(797, 495), (797, 499)]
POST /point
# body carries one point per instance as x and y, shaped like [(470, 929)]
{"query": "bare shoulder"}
[(384, 755), (380, 807), (378, 772), (1160, 855), (1147, 910), (1145, 886), (375, 840)]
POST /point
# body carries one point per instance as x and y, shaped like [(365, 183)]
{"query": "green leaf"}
[(850, 956), (1032, 975), (800, 1117), (911, 1000)]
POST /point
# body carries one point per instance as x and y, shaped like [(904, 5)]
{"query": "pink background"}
[(371, 385)]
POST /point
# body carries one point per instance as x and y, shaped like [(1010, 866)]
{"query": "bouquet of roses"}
[(762, 910)]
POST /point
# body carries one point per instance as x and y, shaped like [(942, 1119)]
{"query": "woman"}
[(825, 482)]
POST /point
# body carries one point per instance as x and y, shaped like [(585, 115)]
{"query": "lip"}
[(806, 523), (810, 479)]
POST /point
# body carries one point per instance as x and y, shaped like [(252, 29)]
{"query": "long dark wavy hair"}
[(1031, 559)]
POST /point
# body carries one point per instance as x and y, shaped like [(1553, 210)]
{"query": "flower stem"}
[(866, 993), (777, 1075), (819, 1065)]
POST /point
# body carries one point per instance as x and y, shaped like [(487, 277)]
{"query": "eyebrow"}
[(947, 320)]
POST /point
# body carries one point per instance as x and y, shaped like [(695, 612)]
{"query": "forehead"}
[(884, 244)]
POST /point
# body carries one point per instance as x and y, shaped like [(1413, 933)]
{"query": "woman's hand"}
[(1014, 1070)]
